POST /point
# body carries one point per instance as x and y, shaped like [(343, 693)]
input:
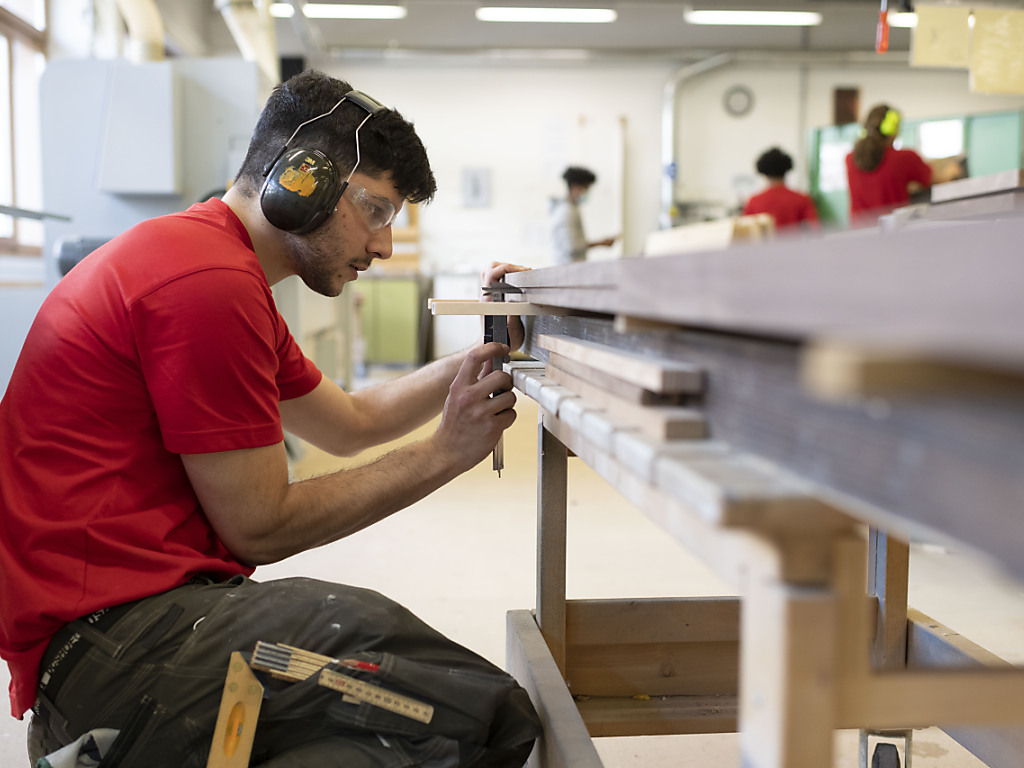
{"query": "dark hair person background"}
[(144, 476), (880, 176), (788, 207), (570, 241)]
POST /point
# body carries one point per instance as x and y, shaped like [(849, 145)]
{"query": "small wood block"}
[(600, 428), (629, 324), (639, 452), (524, 365), (528, 380), (656, 375), (737, 490), (661, 422), (550, 396), (572, 410)]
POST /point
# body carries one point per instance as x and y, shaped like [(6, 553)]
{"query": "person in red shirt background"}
[(880, 176), (788, 207)]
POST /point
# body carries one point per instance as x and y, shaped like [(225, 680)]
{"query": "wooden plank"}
[(660, 422), (908, 290), (932, 644), (839, 371), (653, 619), (470, 307), (959, 189), (621, 388), (644, 371), (943, 697), (621, 716), (787, 665), (653, 669), (653, 647), (565, 742)]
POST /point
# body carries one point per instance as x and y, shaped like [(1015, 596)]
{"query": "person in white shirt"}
[(570, 241)]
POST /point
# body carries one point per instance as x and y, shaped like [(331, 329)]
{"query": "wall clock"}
[(738, 100)]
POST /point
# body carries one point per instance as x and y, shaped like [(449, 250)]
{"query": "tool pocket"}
[(484, 710), (152, 734)]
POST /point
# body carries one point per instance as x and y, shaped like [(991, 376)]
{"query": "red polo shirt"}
[(162, 342)]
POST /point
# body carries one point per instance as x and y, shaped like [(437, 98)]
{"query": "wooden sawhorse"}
[(809, 652)]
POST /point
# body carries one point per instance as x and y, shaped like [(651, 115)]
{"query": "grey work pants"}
[(158, 673)]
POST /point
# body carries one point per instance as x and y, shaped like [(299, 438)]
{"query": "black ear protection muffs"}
[(303, 186)]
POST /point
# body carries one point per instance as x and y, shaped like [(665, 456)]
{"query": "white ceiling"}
[(644, 29)]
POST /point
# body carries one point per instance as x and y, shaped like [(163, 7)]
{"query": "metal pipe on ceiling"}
[(145, 29)]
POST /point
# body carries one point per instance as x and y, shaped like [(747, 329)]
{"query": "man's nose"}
[(381, 245)]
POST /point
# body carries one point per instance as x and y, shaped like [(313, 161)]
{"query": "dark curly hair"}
[(774, 163), (388, 142), (576, 176)]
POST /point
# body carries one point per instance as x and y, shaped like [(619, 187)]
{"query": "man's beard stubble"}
[(312, 265)]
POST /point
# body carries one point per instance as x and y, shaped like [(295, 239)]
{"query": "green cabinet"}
[(390, 311)]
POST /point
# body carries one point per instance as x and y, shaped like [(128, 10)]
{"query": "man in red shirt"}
[(880, 176), (145, 474), (786, 206)]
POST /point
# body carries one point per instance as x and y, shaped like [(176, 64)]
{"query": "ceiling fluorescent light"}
[(570, 15), (903, 19), (754, 18), (340, 11)]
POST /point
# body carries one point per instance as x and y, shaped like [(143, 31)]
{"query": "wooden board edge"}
[(659, 715), (565, 741), (931, 643)]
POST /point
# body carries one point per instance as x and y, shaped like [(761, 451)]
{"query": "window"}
[(22, 57)]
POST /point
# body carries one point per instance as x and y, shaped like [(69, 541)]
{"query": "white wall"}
[(518, 120), (523, 123)]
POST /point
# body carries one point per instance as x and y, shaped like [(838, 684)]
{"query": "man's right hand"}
[(480, 406)]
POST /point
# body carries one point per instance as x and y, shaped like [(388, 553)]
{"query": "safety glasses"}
[(378, 212)]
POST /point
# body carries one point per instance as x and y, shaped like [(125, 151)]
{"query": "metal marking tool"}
[(496, 329)]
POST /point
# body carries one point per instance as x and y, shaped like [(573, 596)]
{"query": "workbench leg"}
[(888, 569), (552, 479), (888, 577), (787, 675)]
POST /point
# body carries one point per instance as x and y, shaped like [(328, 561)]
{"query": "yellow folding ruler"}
[(290, 663)]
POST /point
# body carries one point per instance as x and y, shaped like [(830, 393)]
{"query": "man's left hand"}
[(494, 273)]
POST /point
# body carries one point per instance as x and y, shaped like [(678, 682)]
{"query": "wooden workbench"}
[(858, 391)]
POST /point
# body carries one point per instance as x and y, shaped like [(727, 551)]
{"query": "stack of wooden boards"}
[(641, 415), (656, 396)]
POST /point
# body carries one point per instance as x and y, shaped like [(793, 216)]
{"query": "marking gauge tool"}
[(496, 329)]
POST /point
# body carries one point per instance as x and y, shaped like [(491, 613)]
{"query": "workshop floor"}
[(465, 555)]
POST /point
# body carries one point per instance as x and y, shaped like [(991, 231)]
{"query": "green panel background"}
[(994, 142)]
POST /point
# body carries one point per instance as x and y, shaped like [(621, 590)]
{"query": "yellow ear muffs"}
[(890, 124)]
